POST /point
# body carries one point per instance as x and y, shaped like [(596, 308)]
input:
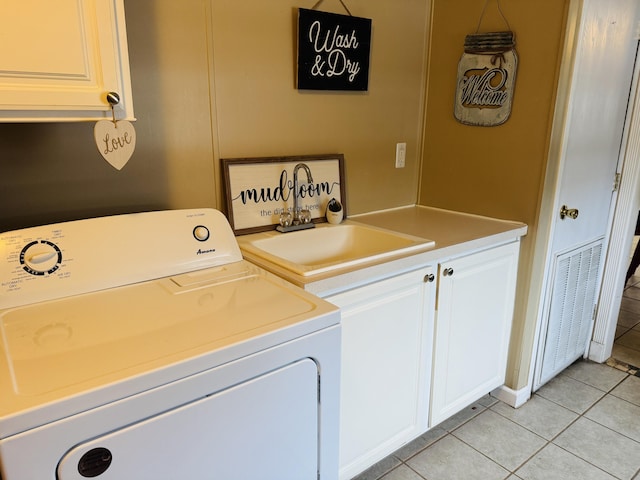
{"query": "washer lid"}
[(65, 347)]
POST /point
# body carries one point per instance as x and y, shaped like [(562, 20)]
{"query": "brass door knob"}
[(568, 212)]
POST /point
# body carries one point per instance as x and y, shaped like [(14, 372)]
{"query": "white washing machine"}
[(143, 346)]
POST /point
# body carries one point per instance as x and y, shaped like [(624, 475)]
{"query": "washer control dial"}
[(40, 257), (201, 233)]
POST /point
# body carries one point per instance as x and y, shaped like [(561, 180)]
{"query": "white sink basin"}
[(329, 247)]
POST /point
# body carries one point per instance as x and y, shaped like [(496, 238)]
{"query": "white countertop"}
[(447, 228), (454, 234)]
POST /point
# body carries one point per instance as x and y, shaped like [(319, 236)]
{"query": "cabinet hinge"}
[(616, 181)]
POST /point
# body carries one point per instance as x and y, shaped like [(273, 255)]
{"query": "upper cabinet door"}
[(58, 60)]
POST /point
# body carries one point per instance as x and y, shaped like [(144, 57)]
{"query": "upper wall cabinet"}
[(58, 60)]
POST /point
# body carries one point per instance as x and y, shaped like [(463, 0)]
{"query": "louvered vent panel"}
[(571, 311)]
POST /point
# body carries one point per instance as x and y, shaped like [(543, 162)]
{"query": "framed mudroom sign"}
[(333, 51), (259, 190)]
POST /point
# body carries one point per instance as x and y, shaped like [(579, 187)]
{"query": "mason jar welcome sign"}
[(486, 79), (333, 51)]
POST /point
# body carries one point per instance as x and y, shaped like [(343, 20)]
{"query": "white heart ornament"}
[(116, 141)]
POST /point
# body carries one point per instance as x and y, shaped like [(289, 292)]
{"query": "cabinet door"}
[(59, 59), (473, 327), (386, 337)]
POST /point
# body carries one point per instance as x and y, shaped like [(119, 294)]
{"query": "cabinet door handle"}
[(429, 278), (447, 272)]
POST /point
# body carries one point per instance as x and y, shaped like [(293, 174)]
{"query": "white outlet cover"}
[(401, 154)]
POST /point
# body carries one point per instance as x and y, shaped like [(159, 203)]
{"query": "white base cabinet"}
[(473, 327), (59, 59), (418, 346), (387, 331)]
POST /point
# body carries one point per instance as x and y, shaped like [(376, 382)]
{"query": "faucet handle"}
[(304, 216), (285, 219)]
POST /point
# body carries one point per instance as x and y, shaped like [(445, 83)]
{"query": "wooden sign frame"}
[(258, 190)]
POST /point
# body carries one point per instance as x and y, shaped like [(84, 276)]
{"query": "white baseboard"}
[(515, 398), (598, 352)]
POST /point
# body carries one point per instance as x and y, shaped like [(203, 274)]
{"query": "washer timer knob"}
[(40, 257), (201, 233)]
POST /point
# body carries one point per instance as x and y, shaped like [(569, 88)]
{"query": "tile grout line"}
[(628, 369), (582, 415), (511, 472), (553, 438), (547, 442)]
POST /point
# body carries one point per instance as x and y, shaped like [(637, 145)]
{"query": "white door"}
[(600, 83)]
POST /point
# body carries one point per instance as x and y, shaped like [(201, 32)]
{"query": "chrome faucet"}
[(296, 190), (301, 219)]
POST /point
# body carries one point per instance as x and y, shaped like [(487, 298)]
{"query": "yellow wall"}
[(494, 171), (216, 78), (53, 172), (260, 113), (497, 170)]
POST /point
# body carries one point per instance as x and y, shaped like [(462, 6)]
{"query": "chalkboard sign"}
[(333, 51)]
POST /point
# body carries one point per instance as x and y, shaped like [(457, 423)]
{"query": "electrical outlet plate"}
[(401, 154)]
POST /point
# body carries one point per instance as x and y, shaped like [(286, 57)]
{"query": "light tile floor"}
[(582, 425), (626, 347)]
